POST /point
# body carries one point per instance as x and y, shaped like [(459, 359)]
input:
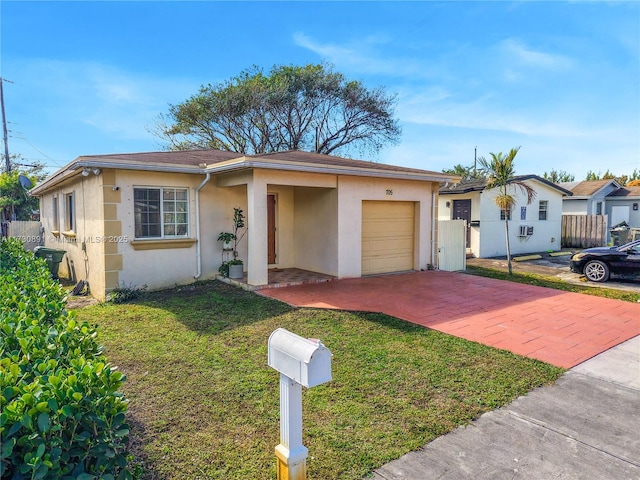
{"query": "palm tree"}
[(500, 172)]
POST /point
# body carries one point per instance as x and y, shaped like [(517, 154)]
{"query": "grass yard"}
[(555, 283), (204, 404)]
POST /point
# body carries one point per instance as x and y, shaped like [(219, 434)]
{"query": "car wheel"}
[(596, 271)]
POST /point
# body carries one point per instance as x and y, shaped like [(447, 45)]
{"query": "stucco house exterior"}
[(603, 197), (154, 218), (532, 228), (623, 205)]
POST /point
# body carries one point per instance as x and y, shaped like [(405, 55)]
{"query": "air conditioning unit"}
[(525, 231)]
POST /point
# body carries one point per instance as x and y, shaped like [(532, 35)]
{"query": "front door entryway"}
[(462, 211)]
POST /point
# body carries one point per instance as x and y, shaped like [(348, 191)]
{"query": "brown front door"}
[(271, 229), (462, 211)]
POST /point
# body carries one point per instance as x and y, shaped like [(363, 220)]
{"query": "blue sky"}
[(559, 79)]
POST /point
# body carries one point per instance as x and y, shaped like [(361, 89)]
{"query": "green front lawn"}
[(598, 290), (204, 404)]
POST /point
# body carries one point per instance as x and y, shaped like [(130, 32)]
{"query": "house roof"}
[(626, 192), (477, 185), (219, 161), (588, 188)]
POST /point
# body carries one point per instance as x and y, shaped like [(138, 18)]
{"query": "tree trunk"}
[(506, 229)]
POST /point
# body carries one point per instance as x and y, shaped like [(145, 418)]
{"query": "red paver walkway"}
[(557, 327)]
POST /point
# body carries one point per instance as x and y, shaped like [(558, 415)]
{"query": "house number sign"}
[(389, 191)]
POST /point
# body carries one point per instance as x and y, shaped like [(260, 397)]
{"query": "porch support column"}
[(257, 272)]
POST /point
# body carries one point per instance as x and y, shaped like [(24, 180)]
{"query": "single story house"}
[(154, 218), (603, 197), (532, 228), (622, 205)]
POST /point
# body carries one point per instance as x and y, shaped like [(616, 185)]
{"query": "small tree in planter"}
[(226, 238), (233, 268)]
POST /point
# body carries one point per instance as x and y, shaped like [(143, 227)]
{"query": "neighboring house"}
[(603, 197), (154, 218), (532, 228), (588, 197), (622, 206)]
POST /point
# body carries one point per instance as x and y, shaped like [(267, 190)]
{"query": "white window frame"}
[(70, 211), (55, 212), (543, 210), (171, 211)]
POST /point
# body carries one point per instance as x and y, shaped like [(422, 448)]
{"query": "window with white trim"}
[(505, 214), (543, 208), (56, 214), (69, 212), (161, 212)]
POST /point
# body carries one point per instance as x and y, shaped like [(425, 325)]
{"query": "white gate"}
[(28, 232), (452, 245), (619, 213)]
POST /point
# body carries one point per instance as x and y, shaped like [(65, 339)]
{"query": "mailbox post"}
[(301, 362)]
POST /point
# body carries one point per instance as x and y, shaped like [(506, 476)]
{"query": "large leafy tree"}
[(307, 107), (500, 172), (559, 176), (608, 175), (15, 201), (467, 173)]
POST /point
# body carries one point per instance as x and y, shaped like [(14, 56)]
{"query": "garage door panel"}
[(387, 237), (390, 228), (399, 246)]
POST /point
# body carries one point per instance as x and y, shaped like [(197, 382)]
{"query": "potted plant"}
[(236, 266), (226, 238), (233, 268)]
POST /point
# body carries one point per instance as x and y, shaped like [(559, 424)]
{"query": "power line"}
[(4, 128), (55, 162)]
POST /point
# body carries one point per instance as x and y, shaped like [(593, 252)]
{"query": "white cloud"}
[(525, 56), (108, 99), (363, 55), (481, 113)]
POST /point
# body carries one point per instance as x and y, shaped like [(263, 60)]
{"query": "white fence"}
[(452, 240), (28, 232)]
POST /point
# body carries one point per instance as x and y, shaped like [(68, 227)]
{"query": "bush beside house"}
[(62, 416)]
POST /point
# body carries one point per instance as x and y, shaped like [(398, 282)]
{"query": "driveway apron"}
[(560, 328)]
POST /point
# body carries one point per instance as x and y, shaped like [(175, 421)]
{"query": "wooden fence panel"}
[(584, 231), (28, 232)]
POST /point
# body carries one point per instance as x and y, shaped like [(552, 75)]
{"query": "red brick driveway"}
[(557, 327)]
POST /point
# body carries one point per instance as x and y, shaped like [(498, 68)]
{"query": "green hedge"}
[(62, 416)]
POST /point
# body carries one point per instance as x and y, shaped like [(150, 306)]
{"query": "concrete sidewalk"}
[(585, 426)]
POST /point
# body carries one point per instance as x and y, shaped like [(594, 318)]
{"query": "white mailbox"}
[(307, 362)]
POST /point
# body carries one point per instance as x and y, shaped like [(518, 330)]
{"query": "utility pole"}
[(4, 130), (475, 160)]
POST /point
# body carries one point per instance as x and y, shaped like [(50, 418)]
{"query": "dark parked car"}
[(598, 263)]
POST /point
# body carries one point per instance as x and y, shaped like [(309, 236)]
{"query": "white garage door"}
[(387, 237)]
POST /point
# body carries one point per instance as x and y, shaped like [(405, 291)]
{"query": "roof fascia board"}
[(462, 191), (240, 163), (245, 163), (546, 182), (613, 198), (155, 167), (69, 170)]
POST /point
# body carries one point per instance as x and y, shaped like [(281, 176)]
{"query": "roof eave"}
[(248, 163), (236, 164), (70, 170)]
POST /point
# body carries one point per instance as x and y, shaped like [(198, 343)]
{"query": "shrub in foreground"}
[(62, 416)]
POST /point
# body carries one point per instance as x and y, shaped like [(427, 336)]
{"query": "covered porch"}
[(280, 277), (292, 226)]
